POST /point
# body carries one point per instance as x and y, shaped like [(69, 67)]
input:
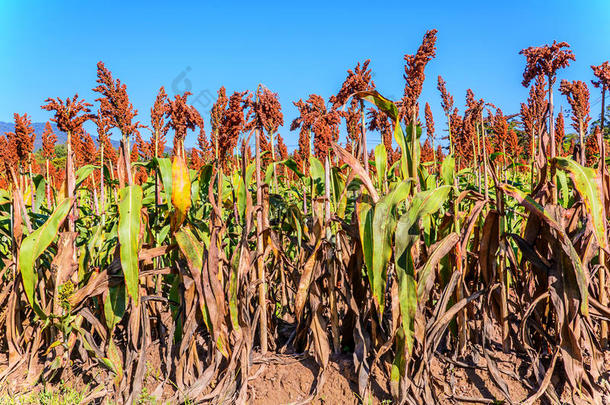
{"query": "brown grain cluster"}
[(232, 123), (381, 122), (302, 122), (592, 146), (85, 151), (560, 134), (265, 112), (415, 76), (545, 60), (21, 141), (48, 142), (217, 112), (114, 101), (145, 150), (446, 97), (8, 159), (70, 115), (358, 79), (157, 122), (514, 147), (534, 112), (427, 153), (577, 94), (103, 126), (325, 126), (353, 124), (429, 122), (602, 73), (180, 118), (500, 127)]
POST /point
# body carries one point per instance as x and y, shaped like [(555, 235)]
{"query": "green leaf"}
[(269, 174), (130, 207), (423, 204), (316, 170), (165, 170), (448, 170), (376, 225), (384, 104), (114, 306), (563, 188), (35, 244), (82, 174), (41, 186), (381, 163), (588, 185), (292, 165)]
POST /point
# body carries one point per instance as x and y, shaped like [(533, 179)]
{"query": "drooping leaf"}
[(83, 173), (355, 165), (36, 243), (588, 185), (538, 210)]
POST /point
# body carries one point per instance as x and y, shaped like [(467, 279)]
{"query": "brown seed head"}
[(446, 97), (429, 122), (181, 117), (414, 73), (48, 142), (265, 112), (114, 101), (70, 115), (359, 79), (545, 60), (157, 120), (22, 139), (577, 94), (602, 72), (232, 123), (560, 133)]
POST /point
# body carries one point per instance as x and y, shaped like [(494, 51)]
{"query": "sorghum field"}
[(430, 263)]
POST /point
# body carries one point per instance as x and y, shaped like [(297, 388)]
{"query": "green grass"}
[(64, 394)]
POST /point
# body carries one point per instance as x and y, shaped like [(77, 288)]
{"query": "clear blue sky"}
[(294, 48)]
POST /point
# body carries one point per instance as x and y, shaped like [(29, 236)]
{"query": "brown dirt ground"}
[(286, 379)]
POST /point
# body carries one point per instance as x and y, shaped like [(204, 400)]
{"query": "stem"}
[(262, 291), (414, 146), (552, 140), (127, 158), (581, 139), (365, 153), (484, 158), (102, 195), (603, 287), (70, 182), (334, 317), (532, 163), (273, 163), (48, 186), (449, 131)]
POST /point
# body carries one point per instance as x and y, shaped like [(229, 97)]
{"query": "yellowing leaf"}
[(181, 191)]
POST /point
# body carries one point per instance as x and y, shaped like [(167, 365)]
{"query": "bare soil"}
[(289, 379)]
